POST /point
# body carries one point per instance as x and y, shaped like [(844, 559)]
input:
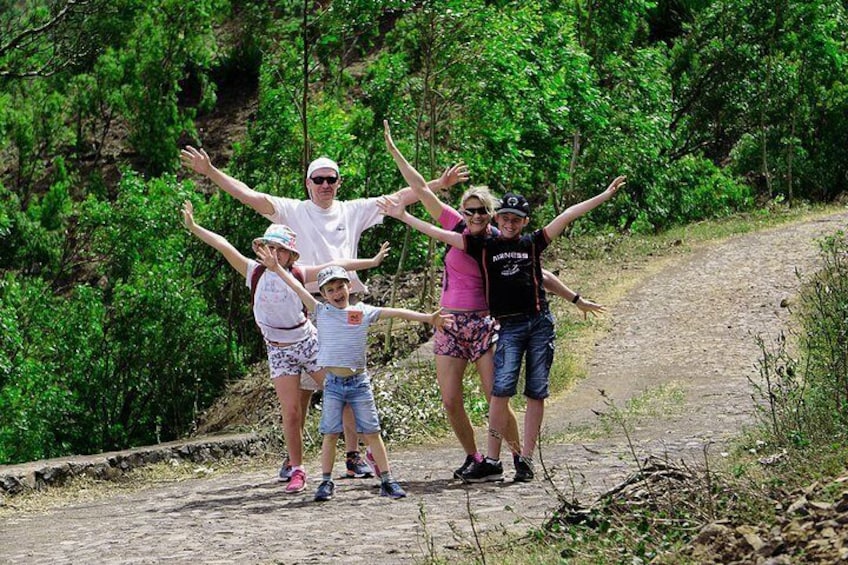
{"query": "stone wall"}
[(36, 475)]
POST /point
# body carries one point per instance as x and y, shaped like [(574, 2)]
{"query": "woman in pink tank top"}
[(473, 335)]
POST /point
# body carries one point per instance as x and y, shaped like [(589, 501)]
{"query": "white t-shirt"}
[(277, 308), (327, 235)]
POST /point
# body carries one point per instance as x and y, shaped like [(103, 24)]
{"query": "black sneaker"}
[(325, 491), (392, 489), (523, 469), (469, 459), (485, 471)]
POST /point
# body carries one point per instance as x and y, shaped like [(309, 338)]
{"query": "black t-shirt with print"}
[(512, 272)]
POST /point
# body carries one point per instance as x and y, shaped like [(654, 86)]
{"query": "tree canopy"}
[(117, 328)]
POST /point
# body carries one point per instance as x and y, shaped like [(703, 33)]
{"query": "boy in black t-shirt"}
[(511, 268)]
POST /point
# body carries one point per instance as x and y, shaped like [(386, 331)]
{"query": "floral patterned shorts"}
[(471, 335), (295, 359)]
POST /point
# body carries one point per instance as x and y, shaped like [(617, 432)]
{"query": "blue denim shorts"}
[(356, 391), (530, 335)]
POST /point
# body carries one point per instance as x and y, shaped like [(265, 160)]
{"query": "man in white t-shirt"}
[(327, 229)]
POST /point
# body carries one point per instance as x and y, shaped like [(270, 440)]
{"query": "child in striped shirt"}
[(342, 347)]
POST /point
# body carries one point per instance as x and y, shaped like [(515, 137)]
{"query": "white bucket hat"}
[(279, 234)]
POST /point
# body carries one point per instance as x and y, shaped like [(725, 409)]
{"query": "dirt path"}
[(686, 329)]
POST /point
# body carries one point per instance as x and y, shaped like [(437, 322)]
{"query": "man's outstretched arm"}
[(198, 161)]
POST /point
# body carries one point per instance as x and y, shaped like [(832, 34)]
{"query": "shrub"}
[(805, 395)]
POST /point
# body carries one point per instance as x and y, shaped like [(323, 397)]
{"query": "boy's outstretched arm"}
[(557, 225), (269, 259), (418, 189), (554, 285), (212, 239), (198, 161), (310, 272), (391, 207), (436, 319)]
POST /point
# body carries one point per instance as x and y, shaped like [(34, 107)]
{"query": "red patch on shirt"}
[(354, 317)]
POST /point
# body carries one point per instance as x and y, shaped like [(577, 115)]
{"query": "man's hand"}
[(391, 206), (589, 307), (196, 160)]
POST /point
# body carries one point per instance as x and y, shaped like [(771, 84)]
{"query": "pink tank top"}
[(462, 284)]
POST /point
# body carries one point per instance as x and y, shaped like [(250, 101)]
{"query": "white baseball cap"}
[(321, 163)]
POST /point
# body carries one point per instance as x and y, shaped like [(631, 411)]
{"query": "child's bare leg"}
[(486, 370), (328, 453), (532, 425), (498, 410), (389, 486), (287, 388)]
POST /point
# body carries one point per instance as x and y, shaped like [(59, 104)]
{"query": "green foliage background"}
[(117, 328)]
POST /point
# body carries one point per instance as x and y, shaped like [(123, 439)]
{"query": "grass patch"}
[(664, 400)]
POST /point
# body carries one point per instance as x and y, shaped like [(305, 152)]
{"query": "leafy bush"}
[(805, 395), (691, 189), (127, 361), (31, 397)]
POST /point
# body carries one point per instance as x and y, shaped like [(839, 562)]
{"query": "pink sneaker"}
[(369, 458), (297, 482)]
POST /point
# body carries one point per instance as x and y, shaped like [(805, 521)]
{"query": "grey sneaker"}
[(523, 469), (286, 470), (325, 491), (485, 471), (392, 489), (469, 459), (356, 467)]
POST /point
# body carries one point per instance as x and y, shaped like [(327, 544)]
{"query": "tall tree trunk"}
[(791, 150), (304, 160)]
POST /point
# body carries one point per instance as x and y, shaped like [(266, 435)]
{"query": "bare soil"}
[(684, 334)]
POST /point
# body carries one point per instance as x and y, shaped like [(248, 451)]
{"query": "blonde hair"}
[(481, 193)]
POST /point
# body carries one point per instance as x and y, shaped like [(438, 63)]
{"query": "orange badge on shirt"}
[(354, 317)]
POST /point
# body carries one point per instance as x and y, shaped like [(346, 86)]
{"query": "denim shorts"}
[(533, 336), (356, 391), (471, 335)]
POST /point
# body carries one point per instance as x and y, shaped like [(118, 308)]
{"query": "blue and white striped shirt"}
[(343, 334)]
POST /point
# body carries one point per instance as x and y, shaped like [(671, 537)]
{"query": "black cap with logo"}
[(512, 203)]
